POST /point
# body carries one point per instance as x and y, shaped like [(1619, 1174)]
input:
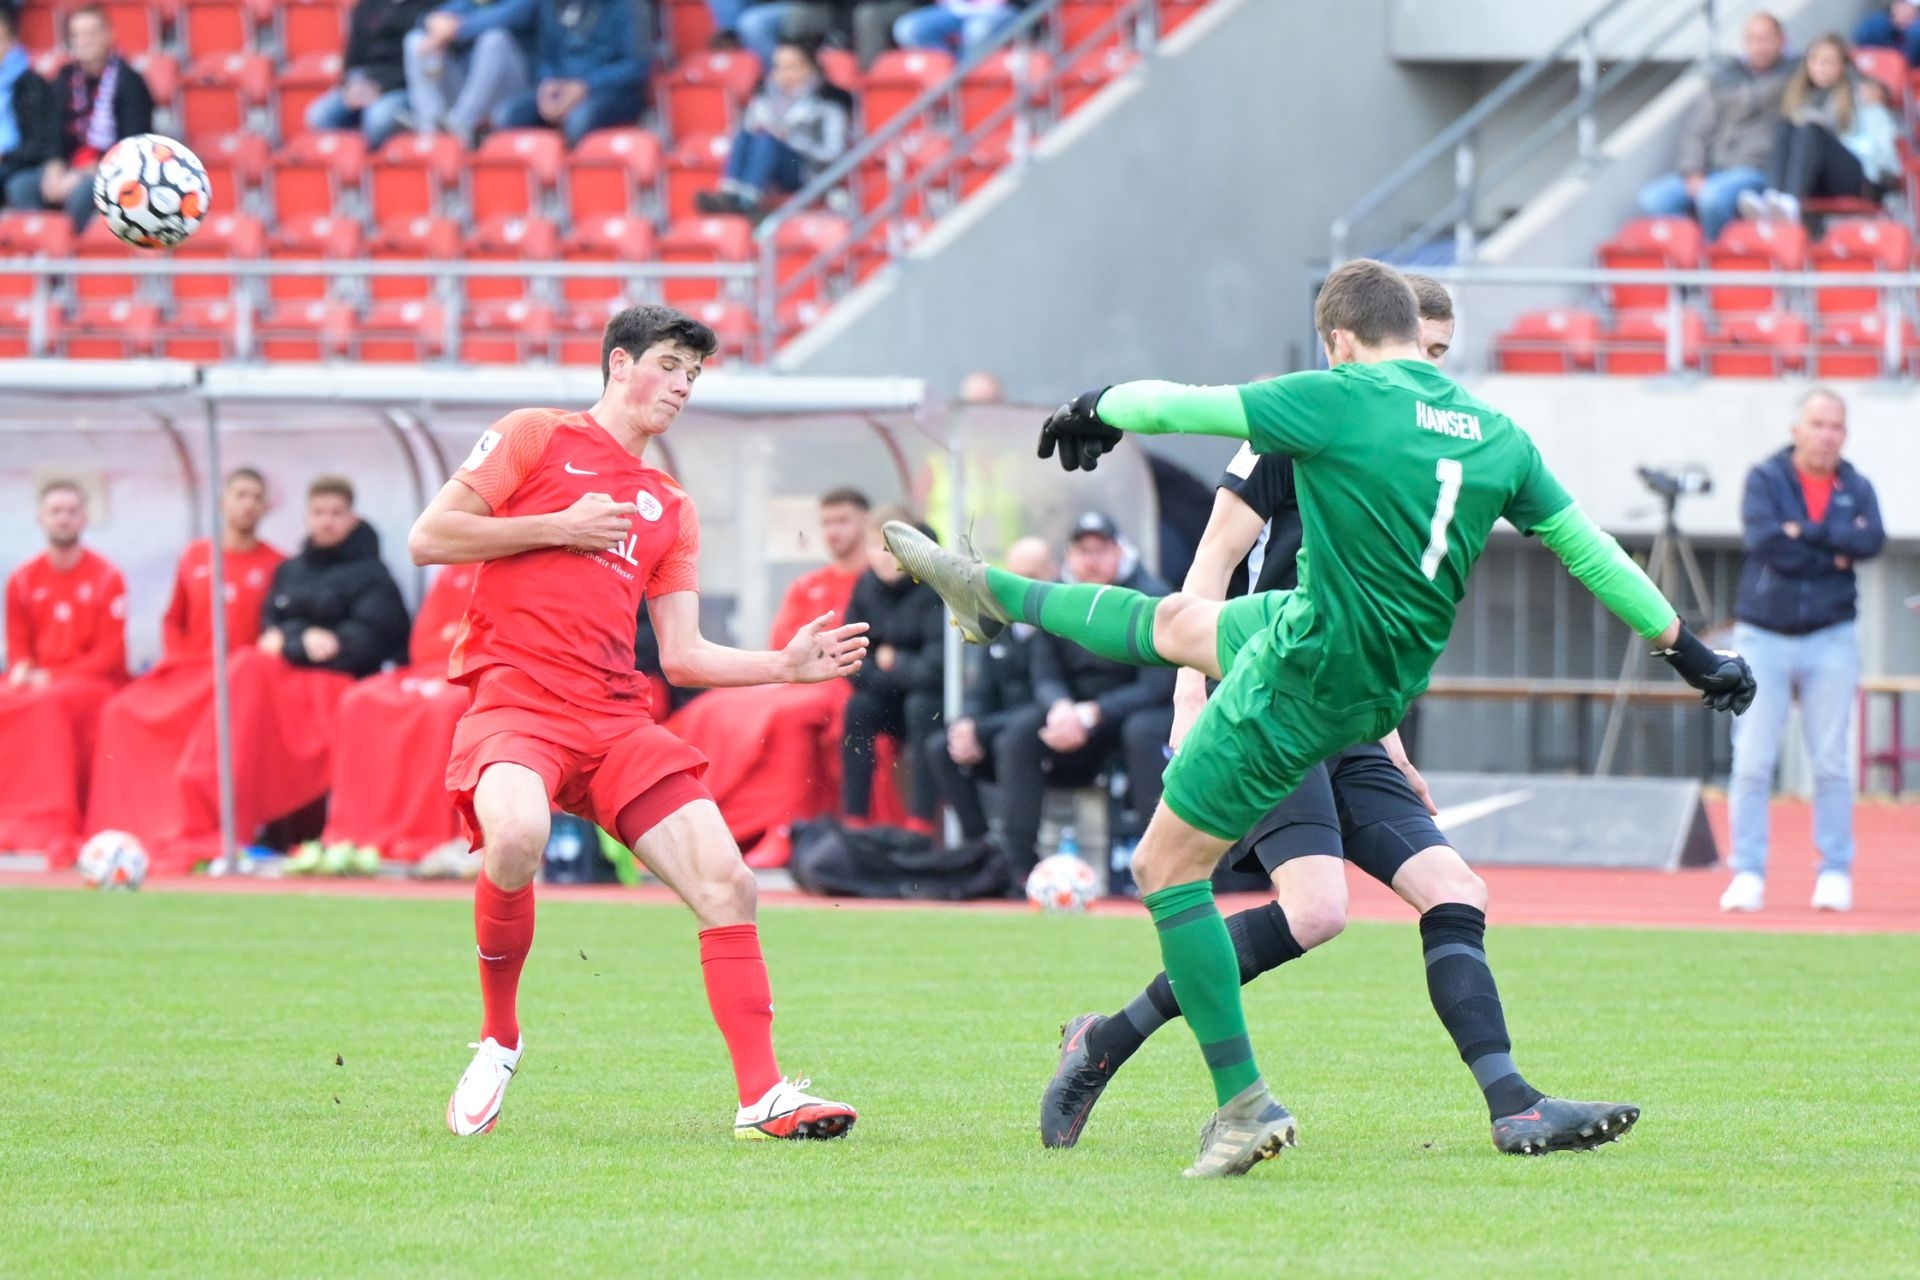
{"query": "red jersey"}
[(566, 618), (186, 631), (438, 623), (826, 589), (73, 621)]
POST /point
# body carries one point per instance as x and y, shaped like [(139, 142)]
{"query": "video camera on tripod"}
[(1674, 484)]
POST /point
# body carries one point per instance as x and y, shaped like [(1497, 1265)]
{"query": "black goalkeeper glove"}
[(1076, 430), (1724, 679)]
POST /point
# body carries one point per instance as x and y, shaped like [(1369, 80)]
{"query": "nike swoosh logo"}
[(479, 1116), (1531, 1115), (1095, 604), (575, 471), (1078, 1036), (1459, 815), (490, 959)]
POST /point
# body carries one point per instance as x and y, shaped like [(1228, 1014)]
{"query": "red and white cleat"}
[(788, 1111), (475, 1105)]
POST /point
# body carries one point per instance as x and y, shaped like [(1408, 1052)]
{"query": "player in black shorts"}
[(1366, 805)]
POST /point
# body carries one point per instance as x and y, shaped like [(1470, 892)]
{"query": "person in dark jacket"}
[(29, 123), (1809, 519), (334, 605), (467, 58), (1082, 702), (796, 125), (999, 689), (1897, 26), (897, 691), (590, 69), (102, 100), (372, 96)]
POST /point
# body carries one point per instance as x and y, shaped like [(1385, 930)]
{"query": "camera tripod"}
[(1672, 551)]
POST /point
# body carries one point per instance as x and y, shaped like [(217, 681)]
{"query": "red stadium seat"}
[(613, 172), (1765, 345), (161, 71), (136, 26), (897, 78), (1092, 74), (508, 240), (1636, 344), (732, 323), (1174, 14), (706, 93), (1889, 67), (308, 239), (301, 82), (211, 27), (704, 240), (506, 333), (312, 329), (402, 331), (112, 329), (226, 237), (840, 67), (993, 84), (1650, 244), (97, 243), (1560, 340), (320, 172), (202, 329), (797, 314), (308, 27), (695, 166), (1859, 246), (981, 162), (1856, 347), (412, 240), (512, 172), (413, 173), (582, 328), (688, 25), (220, 91), (1089, 24), (26, 234), (611, 239), (16, 329), (1754, 246), (808, 238), (39, 27), (919, 161), (235, 165)]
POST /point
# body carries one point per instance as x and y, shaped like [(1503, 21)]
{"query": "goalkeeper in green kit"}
[(1401, 475)]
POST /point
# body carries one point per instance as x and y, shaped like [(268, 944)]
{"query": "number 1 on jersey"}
[(1449, 473)]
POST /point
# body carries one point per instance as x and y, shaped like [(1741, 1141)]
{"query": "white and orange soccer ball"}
[(1062, 884), (113, 860), (151, 191)]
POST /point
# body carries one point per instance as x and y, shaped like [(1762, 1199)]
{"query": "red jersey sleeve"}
[(175, 629), (506, 453), (679, 568), (19, 621)]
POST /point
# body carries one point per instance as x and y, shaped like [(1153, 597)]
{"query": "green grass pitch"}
[(174, 1105)]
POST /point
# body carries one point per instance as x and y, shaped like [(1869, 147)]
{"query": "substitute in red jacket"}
[(144, 726), (66, 652)]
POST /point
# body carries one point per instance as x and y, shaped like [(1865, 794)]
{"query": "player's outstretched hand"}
[(818, 652), (595, 522), (1076, 431), (1724, 679)]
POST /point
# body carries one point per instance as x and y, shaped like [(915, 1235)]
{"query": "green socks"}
[(1114, 622), (1198, 954)]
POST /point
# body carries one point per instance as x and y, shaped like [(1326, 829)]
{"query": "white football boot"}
[(475, 1105), (787, 1110), (1833, 891), (1748, 892)]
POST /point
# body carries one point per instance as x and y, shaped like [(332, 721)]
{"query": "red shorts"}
[(595, 762)]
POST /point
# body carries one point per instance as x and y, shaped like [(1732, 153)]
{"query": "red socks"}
[(742, 1003), (503, 934)]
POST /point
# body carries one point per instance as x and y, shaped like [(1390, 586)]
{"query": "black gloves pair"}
[(1724, 679), (1076, 431)]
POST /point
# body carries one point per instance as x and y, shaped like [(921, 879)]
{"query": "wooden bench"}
[(1896, 755)]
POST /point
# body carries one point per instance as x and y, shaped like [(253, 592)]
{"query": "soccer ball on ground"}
[(113, 860), (151, 191), (1062, 883)]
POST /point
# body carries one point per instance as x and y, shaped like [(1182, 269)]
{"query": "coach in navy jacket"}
[(1809, 517)]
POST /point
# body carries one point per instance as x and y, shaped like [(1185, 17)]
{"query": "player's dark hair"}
[(331, 486), (808, 49), (1432, 296), (638, 329), (845, 496), (60, 484), (1371, 301), (249, 473)]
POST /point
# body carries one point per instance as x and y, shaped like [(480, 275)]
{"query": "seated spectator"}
[(796, 126), (1895, 27), (464, 60), (1082, 703), (954, 25), (29, 123), (1836, 137), (999, 687), (66, 653), (590, 69), (104, 100), (143, 725), (372, 94), (750, 24), (333, 615), (897, 691), (1725, 143)]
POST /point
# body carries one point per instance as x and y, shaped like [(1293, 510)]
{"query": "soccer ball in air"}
[(1062, 883), (113, 860), (151, 191)]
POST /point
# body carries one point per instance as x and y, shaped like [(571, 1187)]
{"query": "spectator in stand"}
[(104, 101), (1836, 137), (1725, 143), (1082, 703), (1809, 519), (143, 725), (898, 690), (868, 24), (372, 94), (66, 653), (590, 69), (752, 24), (796, 125), (29, 123), (954, 25), (1895, 27), (464, 60), (999, 688)]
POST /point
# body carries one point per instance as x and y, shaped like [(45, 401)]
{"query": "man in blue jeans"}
[(1726, 142), (590, 68), (1809, 518)]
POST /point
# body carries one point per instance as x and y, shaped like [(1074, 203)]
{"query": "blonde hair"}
[(1800, 88)]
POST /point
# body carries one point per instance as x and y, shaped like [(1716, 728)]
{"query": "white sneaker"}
[(1748, 892), (788, 1111), (1786, 208), (475, 1105), (1753, 206), (1833, 891)]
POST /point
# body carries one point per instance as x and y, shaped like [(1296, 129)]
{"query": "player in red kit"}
[(572, 530)]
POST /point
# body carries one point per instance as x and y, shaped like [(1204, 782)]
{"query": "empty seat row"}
[(1764, 345), (1853, 245), (203, 27)]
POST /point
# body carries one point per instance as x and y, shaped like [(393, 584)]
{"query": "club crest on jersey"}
[(650, 508), (488, 439), (1448, 422)]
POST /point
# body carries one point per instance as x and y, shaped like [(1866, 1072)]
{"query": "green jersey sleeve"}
[(1295, 414), (1592, 556), (1152, 408), (1539, 497)]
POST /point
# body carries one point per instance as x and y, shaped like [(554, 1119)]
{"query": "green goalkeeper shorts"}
[(1241, 619)]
